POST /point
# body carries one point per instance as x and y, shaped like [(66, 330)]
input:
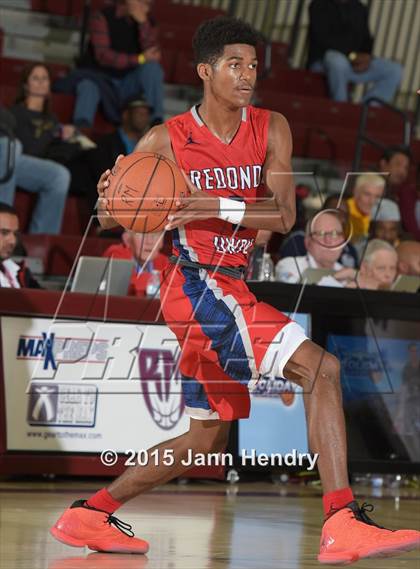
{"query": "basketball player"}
[(233, 154)]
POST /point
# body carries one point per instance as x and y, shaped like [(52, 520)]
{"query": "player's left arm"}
[(274, 212), (277, 211)]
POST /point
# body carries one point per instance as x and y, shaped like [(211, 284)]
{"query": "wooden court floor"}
[(193, 526)]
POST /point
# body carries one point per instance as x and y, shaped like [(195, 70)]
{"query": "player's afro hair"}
[(212, 35)]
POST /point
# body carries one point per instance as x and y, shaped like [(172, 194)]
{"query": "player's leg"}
[(91, 523), (348, 533), (318, 373), (203, 437)]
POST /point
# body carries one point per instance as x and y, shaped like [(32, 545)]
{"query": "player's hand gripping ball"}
[(143, 190)]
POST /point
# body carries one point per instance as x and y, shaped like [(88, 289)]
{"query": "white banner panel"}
[(86, 387)]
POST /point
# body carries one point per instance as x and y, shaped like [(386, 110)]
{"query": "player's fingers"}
[(119, 157), (103, 182), (181, 203), (176, 220)]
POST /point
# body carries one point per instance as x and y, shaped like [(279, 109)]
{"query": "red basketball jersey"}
[(231, 170)]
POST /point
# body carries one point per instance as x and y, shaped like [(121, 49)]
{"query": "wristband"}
[(141, 58), (352, 56), (232, 211)]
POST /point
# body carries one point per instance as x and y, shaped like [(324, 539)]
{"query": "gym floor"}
[(194, 526)]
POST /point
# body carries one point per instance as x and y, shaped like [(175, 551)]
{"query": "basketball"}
[(142, 191)]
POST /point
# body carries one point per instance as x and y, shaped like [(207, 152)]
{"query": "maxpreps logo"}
[(53, 349), (38, 348)]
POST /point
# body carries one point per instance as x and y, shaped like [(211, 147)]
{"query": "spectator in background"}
[(340, 44), (122, 61), (409, 202), (396, 162), (367, 192), (36, 175), (135, 123), (294, 244), (12, 274), (409, 258), (324, 243), (386, 223), (144, 249), (378, 268)]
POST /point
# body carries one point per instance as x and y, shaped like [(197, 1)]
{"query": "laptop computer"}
[(406, 283), (102, 275), (313, 276)]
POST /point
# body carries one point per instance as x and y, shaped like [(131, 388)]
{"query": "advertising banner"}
[(277, 422), (90, 386)]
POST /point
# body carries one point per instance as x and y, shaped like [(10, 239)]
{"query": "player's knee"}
[(212, 439), (330, 369)]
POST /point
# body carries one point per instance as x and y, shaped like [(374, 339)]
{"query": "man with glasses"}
[(12, 274), (324, 242)]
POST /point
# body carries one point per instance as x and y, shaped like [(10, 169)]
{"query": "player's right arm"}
[(156, 140)]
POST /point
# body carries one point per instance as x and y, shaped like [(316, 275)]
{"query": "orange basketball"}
[(142, 191)]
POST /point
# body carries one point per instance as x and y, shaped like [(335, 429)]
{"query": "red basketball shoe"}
[(349, 535), (82, 526)]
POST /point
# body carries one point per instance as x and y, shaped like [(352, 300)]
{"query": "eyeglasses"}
[(324, 234)]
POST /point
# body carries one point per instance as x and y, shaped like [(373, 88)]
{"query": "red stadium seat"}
[(11, 69), (295, 81), (59, 252), (68, 8), (185, 72), (165, 11), (176, 37), (279, 55)]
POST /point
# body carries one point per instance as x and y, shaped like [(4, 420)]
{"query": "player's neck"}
[(221, 121)]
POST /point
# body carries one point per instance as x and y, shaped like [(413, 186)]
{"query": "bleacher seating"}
[(75, 219), (58, 252), (295, 81), (321, 128)]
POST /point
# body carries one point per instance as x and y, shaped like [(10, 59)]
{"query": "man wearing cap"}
[(386, 223)]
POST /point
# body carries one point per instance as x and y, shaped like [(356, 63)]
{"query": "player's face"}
[(9, 228), (234, 75)]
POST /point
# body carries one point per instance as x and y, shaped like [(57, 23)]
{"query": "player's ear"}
[(204, 71)]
